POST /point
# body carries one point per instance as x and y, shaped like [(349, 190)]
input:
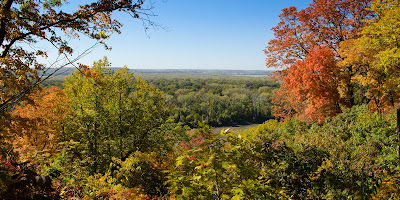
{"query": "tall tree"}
[(376, 55), (24, 23), (113, 114), (322, 25)]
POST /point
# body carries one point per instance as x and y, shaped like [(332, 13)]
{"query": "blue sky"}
[(206, 34)]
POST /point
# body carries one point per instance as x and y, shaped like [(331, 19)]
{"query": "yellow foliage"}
[(390, 189), (374, 57)]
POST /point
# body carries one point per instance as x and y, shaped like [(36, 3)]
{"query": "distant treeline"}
[(67, 71)]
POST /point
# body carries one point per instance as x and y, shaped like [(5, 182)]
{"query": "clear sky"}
[(206, 34)]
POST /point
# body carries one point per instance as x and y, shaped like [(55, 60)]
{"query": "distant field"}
[(234, 128)]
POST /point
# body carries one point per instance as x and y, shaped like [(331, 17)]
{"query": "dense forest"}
[(217, 100), (330, 125)]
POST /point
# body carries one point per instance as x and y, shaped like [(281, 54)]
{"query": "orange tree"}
[(305, 35)]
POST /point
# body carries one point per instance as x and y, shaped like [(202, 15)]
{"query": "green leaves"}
[(221, 166), (217, 101), (113, 113)]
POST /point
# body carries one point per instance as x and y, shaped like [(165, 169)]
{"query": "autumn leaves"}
[(336, 53)]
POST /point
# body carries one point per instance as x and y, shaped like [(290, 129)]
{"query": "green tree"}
[(114, 114)]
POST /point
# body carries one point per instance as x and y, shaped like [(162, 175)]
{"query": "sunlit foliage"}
[(304, 37), (375, 56), (113, 114), (36, 126), (347, 157)]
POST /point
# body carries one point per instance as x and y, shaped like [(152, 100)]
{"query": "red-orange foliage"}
[(35, 127), (315, 32), (315, 80), (323, 23)]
